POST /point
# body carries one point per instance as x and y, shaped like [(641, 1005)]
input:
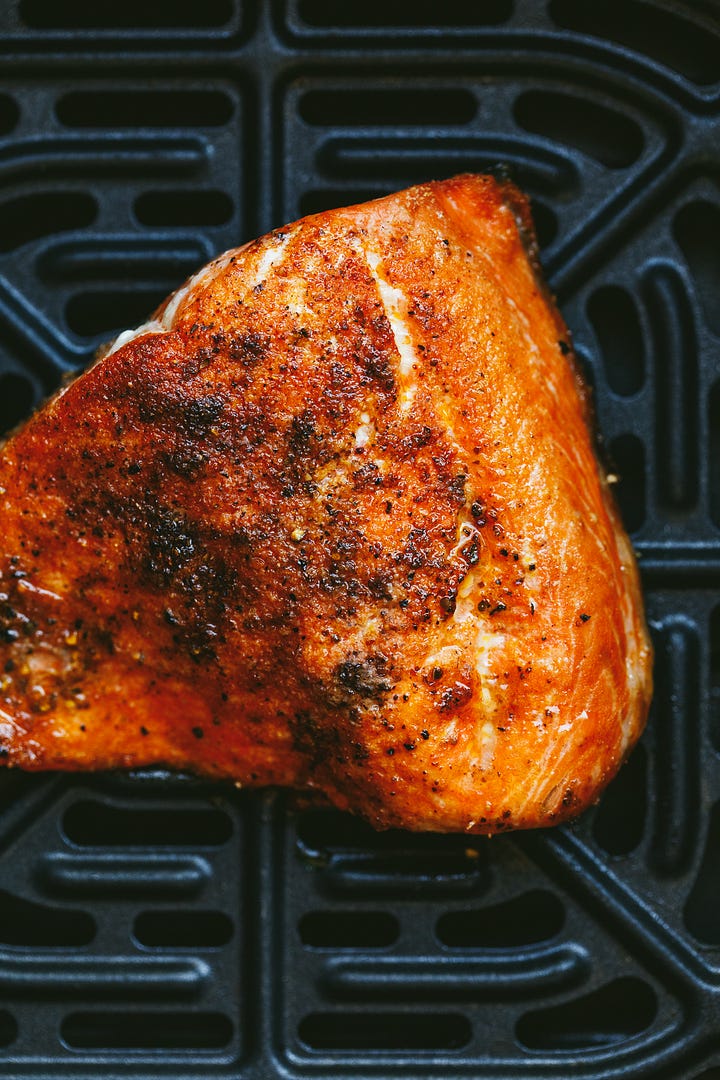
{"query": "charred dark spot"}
[(185, 462), (367, 476), (198, 732), (416, 440), (302, 431), (454, 696), (170, 541), (447, 604), (312, 738), (365, 677), (248, 349), (378, 367), (201, 413), (380, 586), (456, 488), (471, 554)]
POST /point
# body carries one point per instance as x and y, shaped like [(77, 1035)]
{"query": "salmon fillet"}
[(333, 519)]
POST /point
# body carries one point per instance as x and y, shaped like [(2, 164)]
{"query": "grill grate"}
[(153, 925)]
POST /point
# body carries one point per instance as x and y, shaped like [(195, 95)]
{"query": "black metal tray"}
[(156, 926)]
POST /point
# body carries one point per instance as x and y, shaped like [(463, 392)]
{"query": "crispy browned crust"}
[(262, 546)]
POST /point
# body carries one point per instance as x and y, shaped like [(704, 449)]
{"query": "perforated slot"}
[(385, 1031), (389, 862), (546, 222), (386, 108), (609, 1015), (664, 35), (95, 824), (129, 15), (9, 114), (676, 384), (144, 108), (677, 766), (628, 454), (620, 820), (617, 328), (322, 833), (534, 916), (715, 676), (701, 910), (183, 208), (606, 135), (348, 929), (16, 399), (696, 228), (90, 313), (714, 452), (413, 14), (29, 217), (8, 1028), (183, 929), (146, 1031), (314, 202), (320, 830), (23, 922)]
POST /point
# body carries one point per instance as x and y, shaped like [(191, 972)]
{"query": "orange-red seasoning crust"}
[(333, 519)]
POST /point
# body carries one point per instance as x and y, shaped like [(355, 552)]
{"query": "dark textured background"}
[(155, 926)]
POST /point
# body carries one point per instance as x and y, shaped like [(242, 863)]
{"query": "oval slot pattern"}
[(525, 920), (714, 453), (666, 36), (701, 910), (8, 1028), (617, 328), (414, 106), (108, 311), (385, 1031), (715, 677), (183, 929), (696, 228), (17, 397), (675, 357), (183, 208), (348, 929), (628, 454), (144, 109), (95, 824), (356, 858), (676, 724), (613, 1013), (30, 217), (410, 14), (620, 819), (608, 136), (146, 1031), (32, 925), (129, 15), (9, 114)]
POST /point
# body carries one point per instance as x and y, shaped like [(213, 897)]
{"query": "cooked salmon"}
[(333, 519)]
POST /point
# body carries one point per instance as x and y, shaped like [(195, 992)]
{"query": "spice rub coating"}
[(332, 519)]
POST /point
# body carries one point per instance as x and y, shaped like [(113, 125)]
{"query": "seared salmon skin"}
[(333, 519)]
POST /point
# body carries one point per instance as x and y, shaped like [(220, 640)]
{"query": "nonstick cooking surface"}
[(153, 925)]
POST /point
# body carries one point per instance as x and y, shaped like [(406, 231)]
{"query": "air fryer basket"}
[(154, 925)]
